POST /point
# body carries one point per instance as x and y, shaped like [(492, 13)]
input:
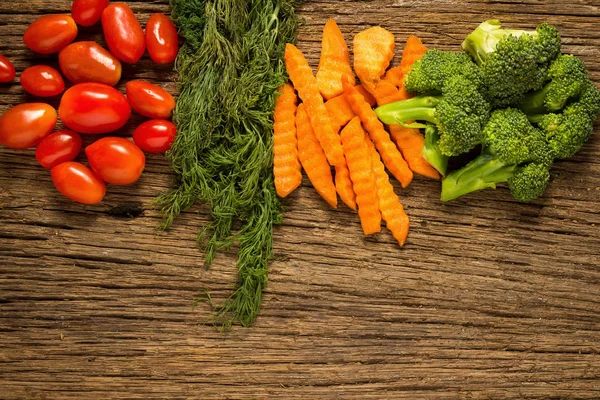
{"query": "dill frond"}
[(229, 70)]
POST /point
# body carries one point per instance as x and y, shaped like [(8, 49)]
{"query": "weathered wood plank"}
[(489, 299)]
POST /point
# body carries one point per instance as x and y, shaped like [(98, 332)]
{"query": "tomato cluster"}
[(92, 106)]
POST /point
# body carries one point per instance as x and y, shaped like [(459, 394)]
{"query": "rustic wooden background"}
[(489, 299)]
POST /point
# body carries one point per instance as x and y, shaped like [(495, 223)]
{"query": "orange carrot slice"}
[(365, 93), (286, 166), (386, 92), (389, 204), (334, 62), (306, 84), (373, 51), (389, 152), (343, 186), (395, 76), (413, 50), (410, 141), (340, 112), (363, 181), (313, 159)]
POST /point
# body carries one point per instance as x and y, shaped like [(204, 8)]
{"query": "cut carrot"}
[(313, 159), (361, 173), (343, 186), (340, 112), (286, 166), (389, 204), (373, 51), (413, 50), (306, 84), (395, 76), (389, 152), (386, 92), (334, 62), (410, 141), (365, 93)]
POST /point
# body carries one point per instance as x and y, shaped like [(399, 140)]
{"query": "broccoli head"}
[(429, 74), (513, 62), (569, 78), (513, 151), (459, 113), (566, 132)]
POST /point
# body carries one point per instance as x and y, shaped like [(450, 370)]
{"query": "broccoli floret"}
[(569, 78), (431, 150), (429, 74), (513, 62), (566, 132), (513, 151), (459, 113)]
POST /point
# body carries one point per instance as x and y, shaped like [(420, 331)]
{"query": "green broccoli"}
[(429, 74), (513, 152), (431, 150), (513, 62), (459, 113), (566, 132), (569, 78)]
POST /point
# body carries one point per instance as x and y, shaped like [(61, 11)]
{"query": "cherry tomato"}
[(42, 81), (155, 136), (78, 183), (88, 12), (7, 70), (161, 39), (24, 125), (89, 62), (116, 160), (50, 33), (58, 147), (123, 33), (93, 108), (149, 100)]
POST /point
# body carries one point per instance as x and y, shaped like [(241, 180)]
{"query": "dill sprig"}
[(229, 70)]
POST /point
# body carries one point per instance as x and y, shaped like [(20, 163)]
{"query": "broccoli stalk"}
[(513, 62), (459, 114), (431, 150), (514, 152)]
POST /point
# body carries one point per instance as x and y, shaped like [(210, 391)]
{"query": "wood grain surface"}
[(489, 299)]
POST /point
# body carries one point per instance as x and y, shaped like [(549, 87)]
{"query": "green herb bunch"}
[(229, 70)]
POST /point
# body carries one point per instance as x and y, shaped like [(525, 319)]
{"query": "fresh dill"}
[(229, 70)]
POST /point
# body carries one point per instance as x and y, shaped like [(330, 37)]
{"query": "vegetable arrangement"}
[(510, 92), (91, 106)]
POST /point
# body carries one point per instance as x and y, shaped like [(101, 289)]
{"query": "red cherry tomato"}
[(78, 183), (155, 136), (89, 62), (150, 100), (93, 108), (50, 33), (57, 148), (42, 81), (161, 39), (123, 33), (23, 126), (116, 160), (88, 12), (7, 70)]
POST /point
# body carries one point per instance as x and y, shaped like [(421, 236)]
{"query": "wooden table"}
[(490, 298)]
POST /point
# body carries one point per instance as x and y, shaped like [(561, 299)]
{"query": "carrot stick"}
[(363, 181), (304, 81), (340, 112), (343, 186), (313, 158), (413, 51), (286, 166), (365, 93), (410, 141), (395, 76), (386, 92), (373, 51), (334, 62), (389, 204), (389, 152)]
